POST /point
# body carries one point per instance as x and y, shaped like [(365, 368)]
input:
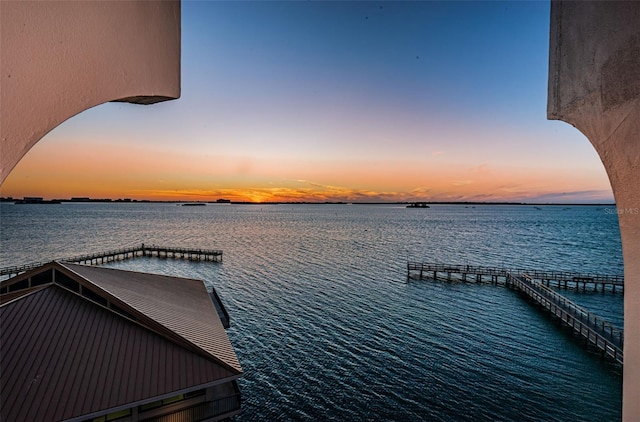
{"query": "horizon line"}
[(229, 202)]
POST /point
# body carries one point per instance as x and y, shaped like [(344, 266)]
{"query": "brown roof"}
[(63, 355), (181, 305)]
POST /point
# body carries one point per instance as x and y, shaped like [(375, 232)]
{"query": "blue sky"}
[(344, 101)]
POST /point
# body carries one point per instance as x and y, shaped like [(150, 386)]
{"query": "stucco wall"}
[(594, 84), (59, 58)]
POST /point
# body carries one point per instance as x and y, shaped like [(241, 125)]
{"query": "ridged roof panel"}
[(64, 356), (181, 305)]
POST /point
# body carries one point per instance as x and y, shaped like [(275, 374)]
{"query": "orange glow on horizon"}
[(57, 169)]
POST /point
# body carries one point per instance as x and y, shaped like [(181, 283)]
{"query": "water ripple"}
[(326, 325)]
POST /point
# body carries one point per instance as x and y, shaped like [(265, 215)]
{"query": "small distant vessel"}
[(194, 204), (418, 205)]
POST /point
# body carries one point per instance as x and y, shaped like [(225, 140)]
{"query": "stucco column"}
[(59, 58), (594, 84)]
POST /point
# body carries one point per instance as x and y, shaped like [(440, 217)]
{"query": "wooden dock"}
[(535, 285), (464, 273), (498, 275), (596, 331), (211, 255)]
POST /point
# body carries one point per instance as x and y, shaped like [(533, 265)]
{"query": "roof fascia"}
[(151, 400)]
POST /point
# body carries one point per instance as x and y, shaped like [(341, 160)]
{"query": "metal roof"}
[(181, 305), (63, 355)]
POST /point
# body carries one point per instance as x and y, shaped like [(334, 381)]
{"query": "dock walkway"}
[(212, 255), (498, 275), (596, 331), (535, 285)]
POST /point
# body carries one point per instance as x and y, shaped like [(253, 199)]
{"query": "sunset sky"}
[(335, 101)]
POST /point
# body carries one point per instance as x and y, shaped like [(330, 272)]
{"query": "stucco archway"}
[(594, 84), (60, 58)]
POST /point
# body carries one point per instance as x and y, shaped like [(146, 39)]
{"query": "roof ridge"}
[(99, 268)]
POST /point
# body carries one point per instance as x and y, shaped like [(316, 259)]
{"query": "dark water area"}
[(326, 324)]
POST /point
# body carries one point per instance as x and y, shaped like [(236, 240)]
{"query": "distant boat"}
[(194, 204), (418, 205)]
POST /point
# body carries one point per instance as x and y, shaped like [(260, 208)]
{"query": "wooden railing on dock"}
[(465, 273), (498, 275), (143, 250), (535, 286), (596, 331)]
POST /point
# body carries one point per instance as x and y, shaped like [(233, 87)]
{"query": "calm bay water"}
[(326, 325)]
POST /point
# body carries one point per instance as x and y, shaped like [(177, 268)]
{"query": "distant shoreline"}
[(228, 202)]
